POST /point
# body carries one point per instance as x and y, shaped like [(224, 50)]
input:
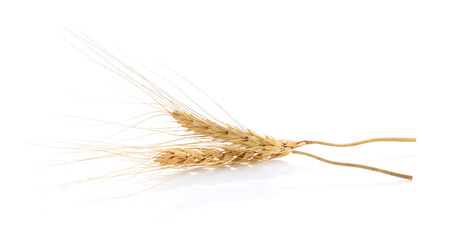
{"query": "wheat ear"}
[(246, 139), (212, 156)]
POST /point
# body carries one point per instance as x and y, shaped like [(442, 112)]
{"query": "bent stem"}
[(400, 175), (308, 142)]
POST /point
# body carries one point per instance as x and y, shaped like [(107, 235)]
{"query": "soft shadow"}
[(241, 174)]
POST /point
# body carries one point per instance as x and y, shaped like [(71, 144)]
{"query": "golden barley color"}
[(215, 143)]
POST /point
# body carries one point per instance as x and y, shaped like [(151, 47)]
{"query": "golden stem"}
[(400, 175), (307, 142)]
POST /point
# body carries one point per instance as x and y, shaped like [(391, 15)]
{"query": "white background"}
[(337, 71)]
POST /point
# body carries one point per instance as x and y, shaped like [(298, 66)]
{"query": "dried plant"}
[(215, 143)]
